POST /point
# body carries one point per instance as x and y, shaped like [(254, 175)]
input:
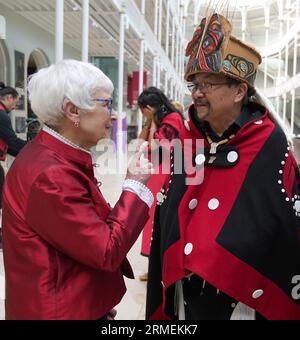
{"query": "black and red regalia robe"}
[(238, 230)]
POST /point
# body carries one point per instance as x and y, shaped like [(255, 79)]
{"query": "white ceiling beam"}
[(284, 88)]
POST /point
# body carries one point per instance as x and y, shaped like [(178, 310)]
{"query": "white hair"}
[(71, 80)]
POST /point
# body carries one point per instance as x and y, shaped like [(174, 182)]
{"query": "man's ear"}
[(241, 93), (71, 111)]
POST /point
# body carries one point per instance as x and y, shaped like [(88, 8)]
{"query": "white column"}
[(267, 27), (179, 55), (85, 30), (166, 83), (158, 73), (141, 83), (154, 71), (59, 31), (177, 50), (180, 13), (168, 28), (172, 88), (180, 48), (296, 41), (180, 59), (293, 112), (197, 5), (155, 17), (294, 72), (173, 43), (286, 74), (141, 70), (244, 22), (183, 46), (284, 106), (160, 21), (280, 5), (120, 89)]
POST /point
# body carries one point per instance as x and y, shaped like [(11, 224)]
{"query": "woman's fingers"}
[(140, 169)]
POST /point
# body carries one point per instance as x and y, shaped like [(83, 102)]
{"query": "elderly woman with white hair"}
[(64, 247)]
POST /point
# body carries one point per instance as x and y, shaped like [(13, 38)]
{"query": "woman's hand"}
[(148, 112), (148, 123), (140, 169), (144, 135), (153, 129)]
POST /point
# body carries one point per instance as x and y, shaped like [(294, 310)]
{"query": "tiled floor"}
[(132, 306)]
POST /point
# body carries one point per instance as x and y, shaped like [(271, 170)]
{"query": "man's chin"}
[(202, 112)]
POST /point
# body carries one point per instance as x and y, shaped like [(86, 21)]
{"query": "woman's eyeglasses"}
[(108, 103)]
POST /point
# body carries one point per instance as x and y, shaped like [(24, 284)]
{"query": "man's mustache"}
[(200, 102)]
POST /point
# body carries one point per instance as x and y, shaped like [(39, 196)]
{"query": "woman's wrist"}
[(148, 123)]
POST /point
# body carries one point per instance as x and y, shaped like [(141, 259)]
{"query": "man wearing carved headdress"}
[(228, 247)]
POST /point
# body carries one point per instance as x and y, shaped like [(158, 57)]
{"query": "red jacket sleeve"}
[(62, 211)]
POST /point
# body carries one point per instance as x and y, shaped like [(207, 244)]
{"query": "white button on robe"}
[(200, 159), (213, 204), (193, 204), (188, 249), (232, 157), (297, 206), (259, 122), (257, 294), (160, 197)]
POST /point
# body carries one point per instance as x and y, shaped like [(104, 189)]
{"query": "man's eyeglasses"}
[(203, 87), (108, 103)]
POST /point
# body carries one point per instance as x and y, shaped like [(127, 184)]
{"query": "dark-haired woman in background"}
[(9, 142), (163, 122), (162, 118)]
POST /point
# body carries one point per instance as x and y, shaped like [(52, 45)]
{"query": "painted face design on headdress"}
[(205, 48), (241, 67)]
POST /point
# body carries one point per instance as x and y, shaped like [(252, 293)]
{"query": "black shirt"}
[(8, 135)]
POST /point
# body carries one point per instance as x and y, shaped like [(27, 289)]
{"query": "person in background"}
[(163, 121), (64, 247), (9, 142), (179, 107)]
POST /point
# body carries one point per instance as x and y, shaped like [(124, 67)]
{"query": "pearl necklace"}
[(63, 139)]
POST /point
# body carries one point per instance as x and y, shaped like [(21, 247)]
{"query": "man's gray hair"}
[(70, 80)]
